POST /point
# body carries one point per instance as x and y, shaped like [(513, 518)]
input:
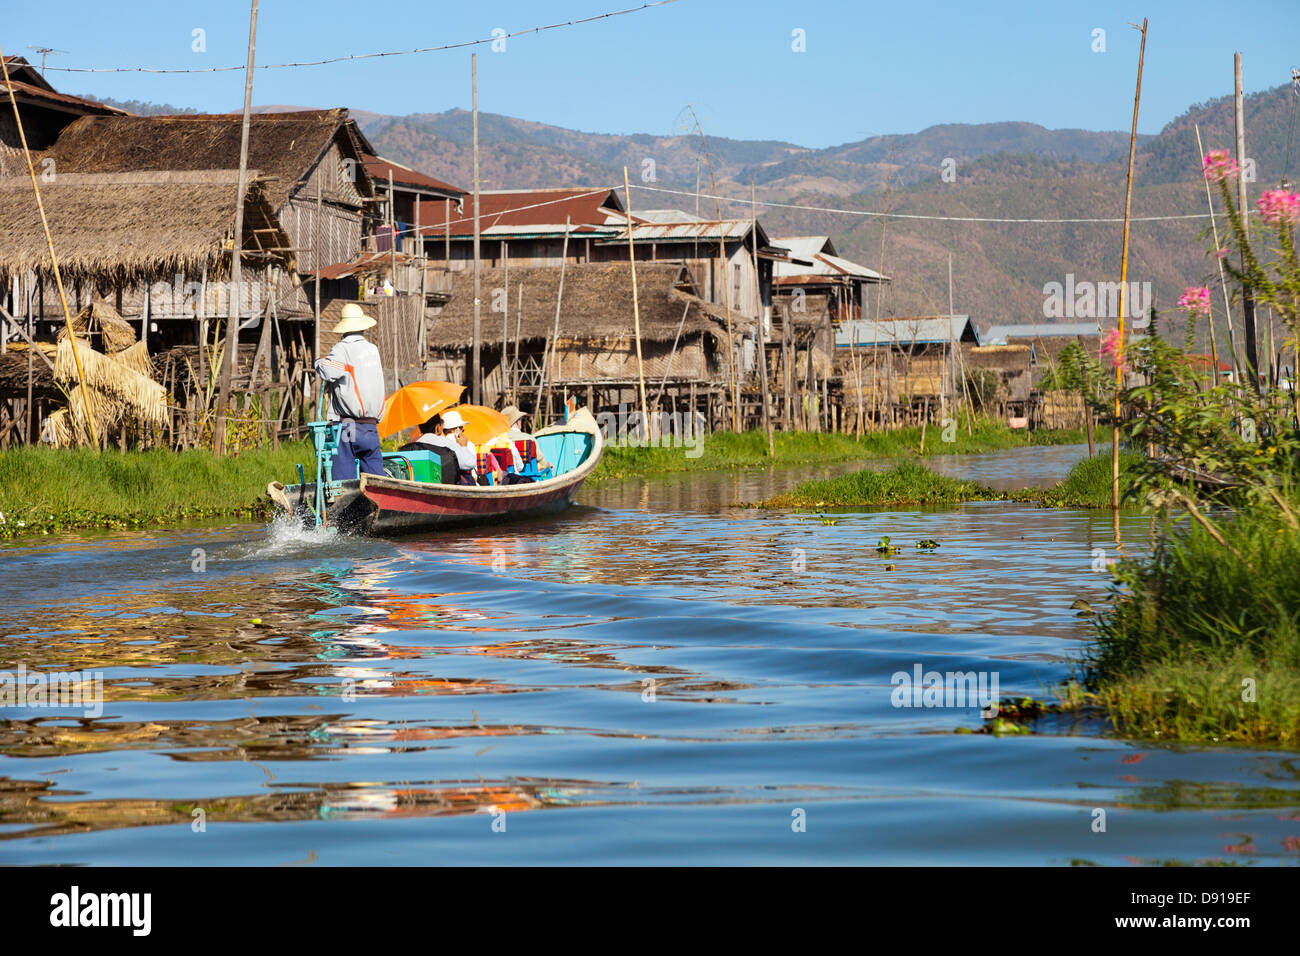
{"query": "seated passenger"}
[(466, 454), (515, 417), (430, 433)]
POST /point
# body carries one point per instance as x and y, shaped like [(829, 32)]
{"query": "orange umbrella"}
[(482, 424), (416, 403)]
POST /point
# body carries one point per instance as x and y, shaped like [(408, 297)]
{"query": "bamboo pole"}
[(1223, 281), (636, 308), (54, 262), (519, 328), (320, 264), (236, 252), (1247, 295), (554, 339), (476, 379), (762, 330), (726, 286), (1123, 288), (505, 327)]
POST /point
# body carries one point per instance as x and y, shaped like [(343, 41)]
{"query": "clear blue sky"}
[(868, 68)]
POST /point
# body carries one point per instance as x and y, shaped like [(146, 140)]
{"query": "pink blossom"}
[(1113, 348), (1221, 253), (1195, 300), (1219, 166), (1277, 206)]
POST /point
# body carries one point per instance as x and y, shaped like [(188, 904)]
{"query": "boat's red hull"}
[(398, 507)]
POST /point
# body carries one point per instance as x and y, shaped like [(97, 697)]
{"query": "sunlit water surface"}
[(657, 676)]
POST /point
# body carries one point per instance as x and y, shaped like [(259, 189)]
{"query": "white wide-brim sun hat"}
[(353, 320)]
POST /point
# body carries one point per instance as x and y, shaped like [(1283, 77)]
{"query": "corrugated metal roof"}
[(701, 229), (998, 334), (530, 212), (378, 167), (666, 215), (820, 252), (920, 330)]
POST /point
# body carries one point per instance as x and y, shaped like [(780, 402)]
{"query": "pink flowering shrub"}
[(1219, 165), (1195, 300), (1278, 207), (1112, 347)]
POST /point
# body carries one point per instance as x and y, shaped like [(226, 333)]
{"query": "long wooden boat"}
[(381, 505)]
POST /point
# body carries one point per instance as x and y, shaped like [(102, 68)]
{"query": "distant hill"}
[(998, 170), (999, 270), (779, 168)]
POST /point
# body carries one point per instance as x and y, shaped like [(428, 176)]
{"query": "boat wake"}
[(286, 535)]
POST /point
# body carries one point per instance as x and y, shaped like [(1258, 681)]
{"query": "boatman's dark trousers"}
[(358, 442)]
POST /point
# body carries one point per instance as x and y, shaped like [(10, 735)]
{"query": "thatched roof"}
[(597, 304), (284, 146), (115, 230)]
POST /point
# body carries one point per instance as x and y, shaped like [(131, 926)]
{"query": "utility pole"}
[(476, 378), (236, 251), (45, 51), (1247, 297)]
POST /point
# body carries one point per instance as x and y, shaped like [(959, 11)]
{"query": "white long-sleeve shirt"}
[(355, 377), (466, 454)]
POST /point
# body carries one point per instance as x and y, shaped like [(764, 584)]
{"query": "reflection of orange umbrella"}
[(482, 424), (416, 403)]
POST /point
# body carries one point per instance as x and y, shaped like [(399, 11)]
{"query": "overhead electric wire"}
[(366, 56), (899, 215)]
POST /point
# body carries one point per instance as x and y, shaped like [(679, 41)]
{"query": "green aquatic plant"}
[(884, 547), (927, 544)]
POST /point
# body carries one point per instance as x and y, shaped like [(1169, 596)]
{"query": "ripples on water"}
[(669, 677)]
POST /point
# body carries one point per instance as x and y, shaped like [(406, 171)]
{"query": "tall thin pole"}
[(762, 332), (54, 265), (1123, 288), (505, 326), (726, 286), (1223, 284), (236, 276), (1247, 296), (320, 264), (476, 380), (552, 342), (636, 310), (392, 233)]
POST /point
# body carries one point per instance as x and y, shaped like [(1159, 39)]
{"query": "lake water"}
[(657, 676)]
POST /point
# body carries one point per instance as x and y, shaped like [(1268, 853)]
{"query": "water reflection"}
[(702, 667)]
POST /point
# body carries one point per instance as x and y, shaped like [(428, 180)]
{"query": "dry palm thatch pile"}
[(122, 393)]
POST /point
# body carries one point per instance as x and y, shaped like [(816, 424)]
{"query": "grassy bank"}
[(1088, 485), (910, 483), (725, 450), (1201, 644), (46, 489)]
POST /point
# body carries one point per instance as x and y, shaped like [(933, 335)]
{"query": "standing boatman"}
[(355, 378)]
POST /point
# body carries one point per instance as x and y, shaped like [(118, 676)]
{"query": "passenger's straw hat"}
[(512, 414), (354, 320)]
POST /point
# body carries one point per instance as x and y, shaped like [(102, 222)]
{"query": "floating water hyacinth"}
[(1195, 300), (1278, 207), (1219, 166)]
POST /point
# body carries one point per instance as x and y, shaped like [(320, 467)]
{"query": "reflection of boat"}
[(381, 504)]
